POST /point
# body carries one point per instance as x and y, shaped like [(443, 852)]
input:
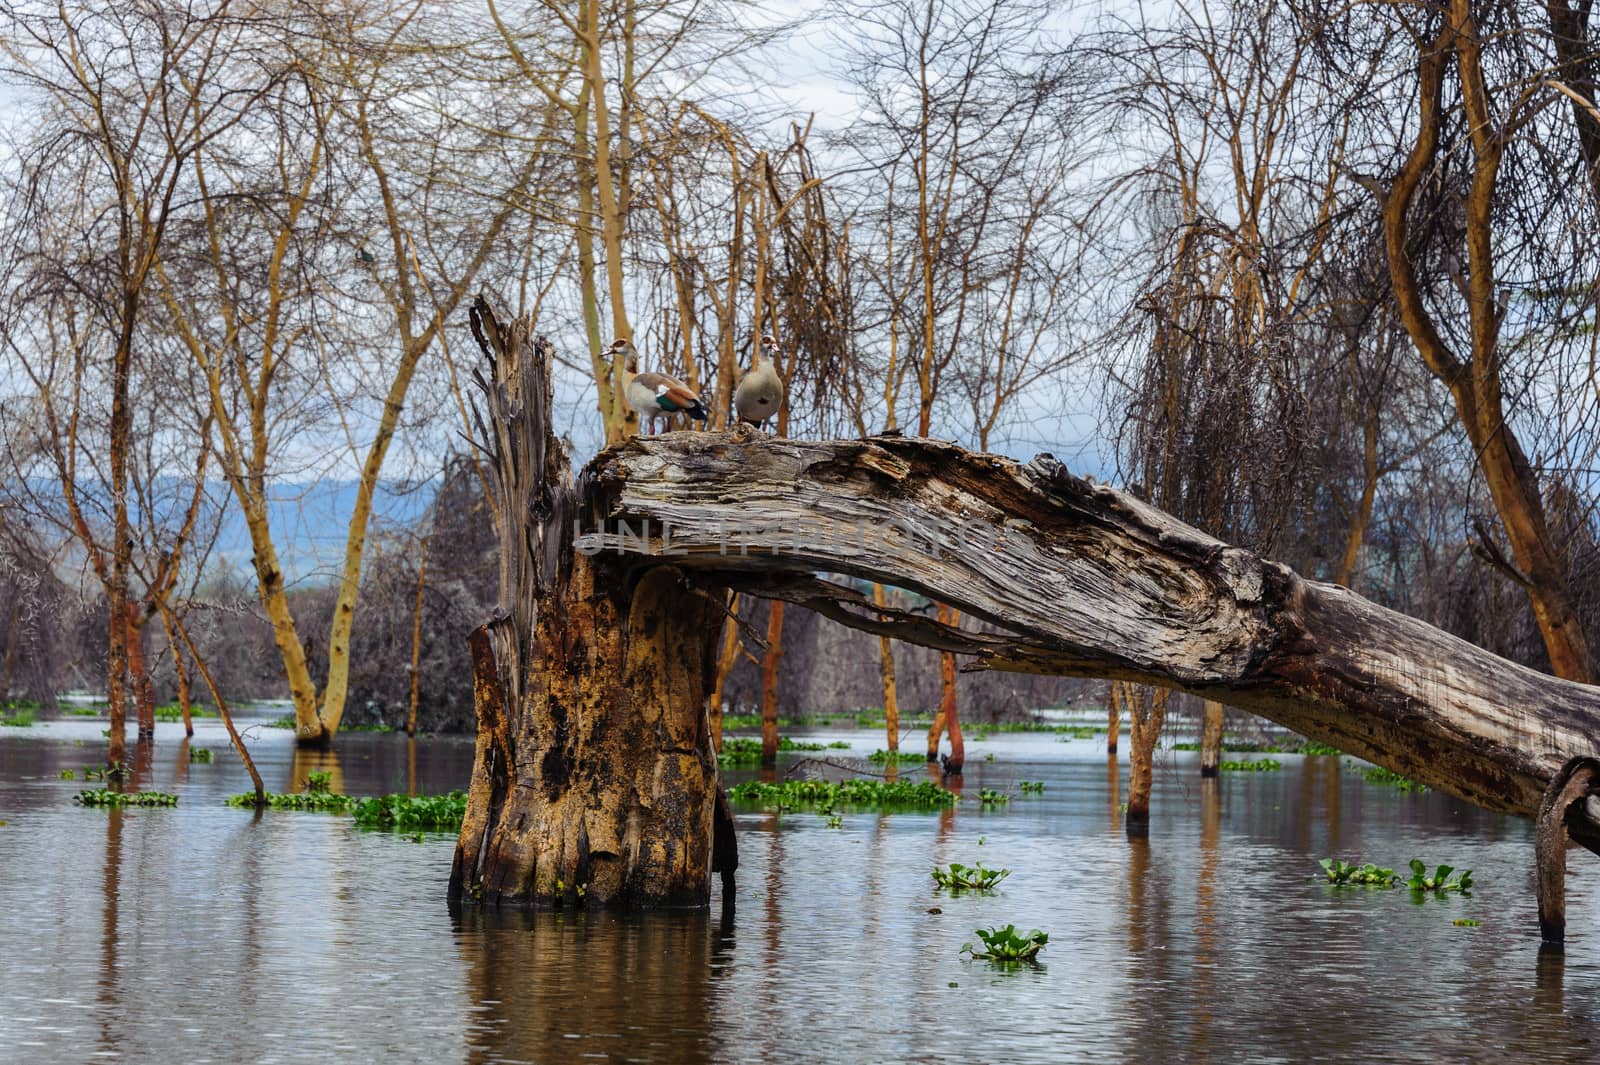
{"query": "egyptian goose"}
[(760, 391), (655, 395)]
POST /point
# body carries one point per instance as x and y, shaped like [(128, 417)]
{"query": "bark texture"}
[(594, 781), (1569, 815), (1083, 580)]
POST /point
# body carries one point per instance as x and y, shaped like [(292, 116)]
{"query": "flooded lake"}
[(204, 933)]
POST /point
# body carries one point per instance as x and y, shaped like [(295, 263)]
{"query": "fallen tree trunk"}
[(1080, 579), (595, 780)]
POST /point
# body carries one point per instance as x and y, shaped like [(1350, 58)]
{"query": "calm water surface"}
[(204, 933)]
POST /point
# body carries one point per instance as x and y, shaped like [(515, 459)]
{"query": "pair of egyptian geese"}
[(655, 395)]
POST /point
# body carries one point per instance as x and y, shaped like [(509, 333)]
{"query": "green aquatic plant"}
[(114, 771), (21, 717), (1379, 775), (969, 877), (827, 795), (319, 780), (899, 757), (67, 774), (1030, 787), (286, 721), (835, 821), (1466, 922), (106, 797), (1348, 873), (991, 797), (201, 755), (84, 711), (1440, 881), (378, 727), (323, 801), (1006, 945), (744, 750), (173, 712), (411, 812), (1260, 765), (1282, 745)]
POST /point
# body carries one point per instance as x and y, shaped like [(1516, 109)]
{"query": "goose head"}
[(623, 347)]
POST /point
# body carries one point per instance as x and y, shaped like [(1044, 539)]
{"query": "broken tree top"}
[(1080, 579)]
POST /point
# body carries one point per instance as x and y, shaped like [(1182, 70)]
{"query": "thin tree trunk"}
[(725, 662), (1475, 380), (1147, 709), (416, 642), (1114, 716), (11, 654), (175, 623), (1211, 738), (936, 730), (143, 691), (769, 684), (1356, 534), (181, 673), (948, 713), (891, 696)]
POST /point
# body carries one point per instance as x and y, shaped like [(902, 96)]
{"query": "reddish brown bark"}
[(769, 684)]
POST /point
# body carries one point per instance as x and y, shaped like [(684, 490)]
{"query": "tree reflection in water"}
[(554, 986)]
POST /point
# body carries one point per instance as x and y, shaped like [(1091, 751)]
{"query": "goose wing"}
[(671, 394)]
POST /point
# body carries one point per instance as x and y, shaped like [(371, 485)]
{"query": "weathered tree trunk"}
[(1211, 738), (595, 781), (1568, 814), (1079, 579)]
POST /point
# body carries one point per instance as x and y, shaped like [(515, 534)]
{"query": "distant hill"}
[(309, 524)]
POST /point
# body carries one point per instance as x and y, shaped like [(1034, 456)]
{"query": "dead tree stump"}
[(595, 781), (1568, 815)]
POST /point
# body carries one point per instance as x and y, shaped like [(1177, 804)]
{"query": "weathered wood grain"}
[(1081, 579)]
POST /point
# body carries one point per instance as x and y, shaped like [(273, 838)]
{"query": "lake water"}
[(204, 933)]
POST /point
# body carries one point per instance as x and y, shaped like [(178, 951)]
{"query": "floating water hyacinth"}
[(1007, 945)]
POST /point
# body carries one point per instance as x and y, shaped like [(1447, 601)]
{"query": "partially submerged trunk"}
[(181, 672), (1113, 717), (769, 685), (1147, 710), (144, 692), (725, 663), (949, 717), (891, 695), (1211, 738), (594, 781)]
